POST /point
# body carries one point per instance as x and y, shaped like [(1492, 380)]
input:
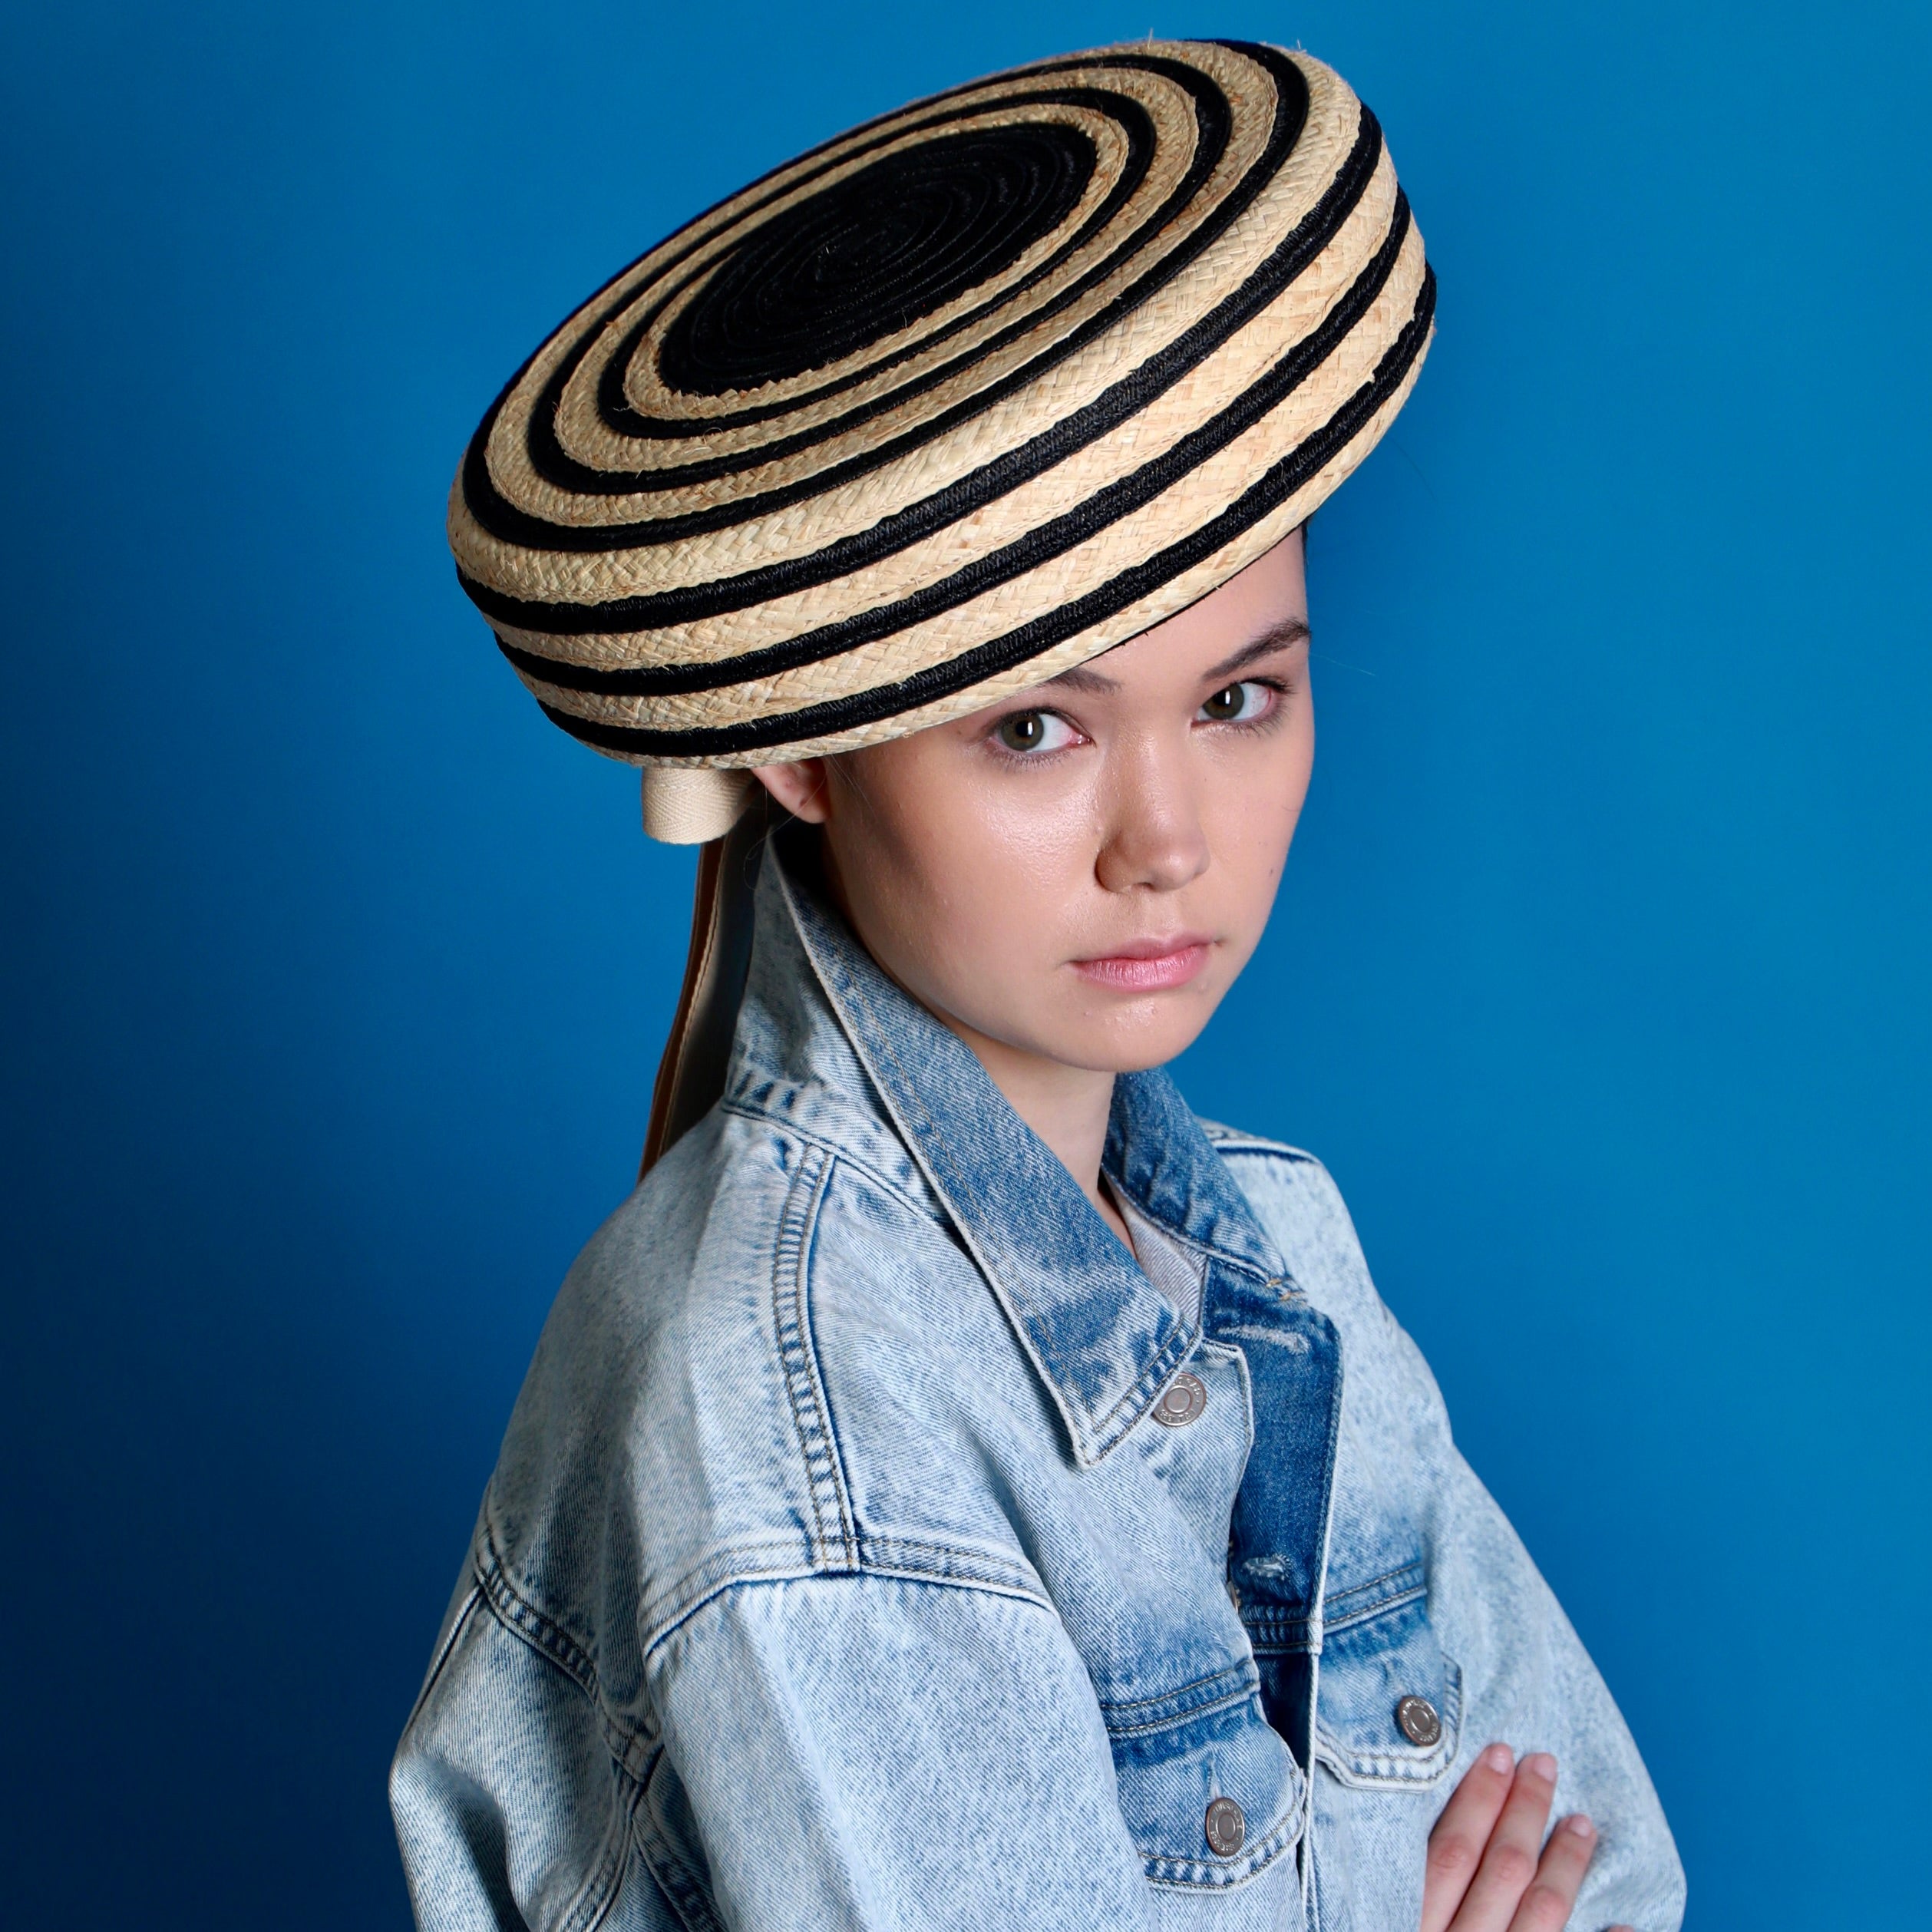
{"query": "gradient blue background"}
[(335, 978)]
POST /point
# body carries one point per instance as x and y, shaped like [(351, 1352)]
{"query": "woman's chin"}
[(1131, 1044)]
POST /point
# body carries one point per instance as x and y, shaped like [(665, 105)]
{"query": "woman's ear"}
[(799, 787)]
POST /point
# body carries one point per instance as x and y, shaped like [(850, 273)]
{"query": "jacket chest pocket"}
[(1388, 1703), (1209, 1794)]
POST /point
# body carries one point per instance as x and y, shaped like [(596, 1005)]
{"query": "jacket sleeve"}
[(850, 1751), (511, 1804), (871, 1753)]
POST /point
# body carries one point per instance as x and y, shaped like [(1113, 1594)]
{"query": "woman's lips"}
[(1147, 966)]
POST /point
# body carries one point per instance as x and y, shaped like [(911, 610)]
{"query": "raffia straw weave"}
[(947, 405)]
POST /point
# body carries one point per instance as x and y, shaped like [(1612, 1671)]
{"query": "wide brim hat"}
[(949, 405)]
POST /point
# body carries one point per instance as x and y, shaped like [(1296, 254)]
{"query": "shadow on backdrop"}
[(335, 977)]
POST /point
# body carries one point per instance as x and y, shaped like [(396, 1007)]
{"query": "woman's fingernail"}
[(1580, 1825), (1499, 1757), (1541, 1764)]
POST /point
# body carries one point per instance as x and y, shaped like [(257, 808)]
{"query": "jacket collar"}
[(1104, 1339)]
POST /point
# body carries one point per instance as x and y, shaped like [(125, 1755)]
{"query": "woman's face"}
[(1078, 874)]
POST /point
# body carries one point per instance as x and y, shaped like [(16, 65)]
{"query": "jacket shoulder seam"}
[(883, 1559), (899, 1567)]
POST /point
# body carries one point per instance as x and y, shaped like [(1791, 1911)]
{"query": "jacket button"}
[(1181, 1401), (1228, 1827), (1419, 1723)]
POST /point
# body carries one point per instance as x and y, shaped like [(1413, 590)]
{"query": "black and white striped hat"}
[(947, 405)]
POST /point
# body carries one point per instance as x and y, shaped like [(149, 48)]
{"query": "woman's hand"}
[(1484, 1873)]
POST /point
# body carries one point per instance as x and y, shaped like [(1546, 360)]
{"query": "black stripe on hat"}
[(829, 277), (617, 414)]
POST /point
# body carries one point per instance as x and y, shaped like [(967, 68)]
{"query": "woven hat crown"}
[(947, 405)]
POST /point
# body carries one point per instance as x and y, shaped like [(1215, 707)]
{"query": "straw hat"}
[(941, 408)]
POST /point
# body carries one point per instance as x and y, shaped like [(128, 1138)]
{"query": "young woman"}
[(959, 1487)]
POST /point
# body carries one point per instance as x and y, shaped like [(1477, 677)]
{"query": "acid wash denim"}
[(838, 1572)]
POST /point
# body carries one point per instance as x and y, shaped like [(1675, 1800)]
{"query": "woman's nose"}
[(1153, 838)]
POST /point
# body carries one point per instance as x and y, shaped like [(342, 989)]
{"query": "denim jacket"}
[(874, 1543)]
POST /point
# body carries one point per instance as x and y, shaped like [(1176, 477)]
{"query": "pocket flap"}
[(1175, 1756), (1384, 1686)]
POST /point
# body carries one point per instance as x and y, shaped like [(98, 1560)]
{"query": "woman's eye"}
[(1028, 731), (1237, 703)]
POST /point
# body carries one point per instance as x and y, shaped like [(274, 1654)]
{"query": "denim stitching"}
[(1271, 1635), (678, 1885), (935, 1562), (1383, 1769), (598, 1893), (1344, 1610), (835, 1454), (902, 1558), (839, 1151), (935, 1578), (727, 1571), (1172, 1707), (825, 1483), (1229, 1140), (1135, 1403), (1196, 1874), (1240, 1669), (626, 1842), (1289, 1630), (914, 1559), (1233, 1700), (522, 1619)]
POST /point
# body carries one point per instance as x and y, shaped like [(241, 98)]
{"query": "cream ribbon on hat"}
[(688, 805)]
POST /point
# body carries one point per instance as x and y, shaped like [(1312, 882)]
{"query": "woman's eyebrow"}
[(1277, 637), (1082, 677)]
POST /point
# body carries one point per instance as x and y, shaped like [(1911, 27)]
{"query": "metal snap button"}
[(1228, 1827), (1181, 1401), (1418, 1719)]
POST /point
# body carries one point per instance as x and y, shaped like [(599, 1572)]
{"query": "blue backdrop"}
[(334, 978)]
